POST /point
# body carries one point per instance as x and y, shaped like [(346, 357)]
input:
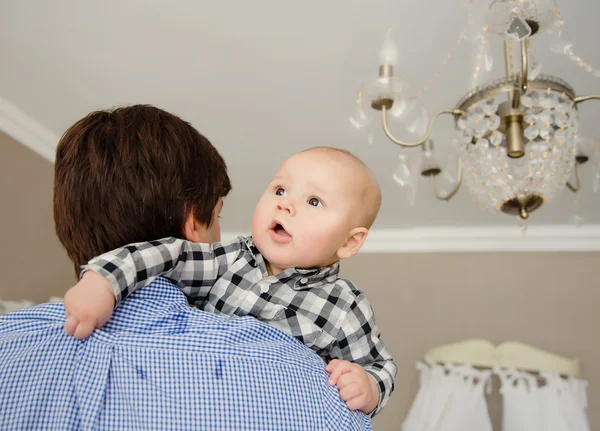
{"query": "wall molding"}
[(550, 238), (24, 129)]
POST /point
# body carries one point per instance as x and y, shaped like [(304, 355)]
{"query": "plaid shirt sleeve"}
[(193, 267), (359, 341)]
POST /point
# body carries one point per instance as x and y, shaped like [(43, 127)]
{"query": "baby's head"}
[(317, 209)]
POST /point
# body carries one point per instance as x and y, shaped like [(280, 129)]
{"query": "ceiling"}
[(267, 78)]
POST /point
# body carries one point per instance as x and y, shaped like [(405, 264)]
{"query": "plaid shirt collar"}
[(304, 278)]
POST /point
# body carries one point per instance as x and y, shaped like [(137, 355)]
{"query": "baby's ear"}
[(355, 240)]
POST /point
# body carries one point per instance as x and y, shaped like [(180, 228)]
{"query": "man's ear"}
[(193, 230), (356, 239)]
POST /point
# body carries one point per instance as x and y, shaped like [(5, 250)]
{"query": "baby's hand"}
[(88, 305), (357, 388)]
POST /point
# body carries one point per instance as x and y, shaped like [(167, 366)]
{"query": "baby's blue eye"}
[(280, 191), (315, 202)]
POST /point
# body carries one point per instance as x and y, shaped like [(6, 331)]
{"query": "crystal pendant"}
[(449, 172), (517, 28), (402, 174), (532, 132), (494, 122), (490, 106), (488, 59), (561, 43), (401, 107), (498, 16), (417, 125), (370, 137), (482, 145), (534, 68), (577, 218), (465, 137), (496, 138), (531, 99), (359, 118)]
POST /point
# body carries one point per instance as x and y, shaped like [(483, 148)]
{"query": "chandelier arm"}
[(508, 58), (455, 112), (582, 99), (523, 79), (456, 186), (524, 66), (575, 188)]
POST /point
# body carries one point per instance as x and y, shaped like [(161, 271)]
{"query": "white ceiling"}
[(267, 78)]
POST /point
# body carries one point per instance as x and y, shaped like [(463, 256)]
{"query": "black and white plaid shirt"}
[(326, 313)]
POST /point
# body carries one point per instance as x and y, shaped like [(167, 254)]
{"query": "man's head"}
[(318, 209), (134, 174)]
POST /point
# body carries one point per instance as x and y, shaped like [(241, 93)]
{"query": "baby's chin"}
[(276, 260)]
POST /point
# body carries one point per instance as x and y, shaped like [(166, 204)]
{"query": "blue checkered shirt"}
[(160, 364), (325, 312)]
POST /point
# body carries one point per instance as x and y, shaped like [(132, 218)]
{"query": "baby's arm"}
[(194, 267), (359, 350)]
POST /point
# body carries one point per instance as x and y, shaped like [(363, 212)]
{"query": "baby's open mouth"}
[(279, 233)]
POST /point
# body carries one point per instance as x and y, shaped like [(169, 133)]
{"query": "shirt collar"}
[(304, 278), (259, 260)]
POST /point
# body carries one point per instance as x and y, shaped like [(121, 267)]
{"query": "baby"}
[(317, 210)]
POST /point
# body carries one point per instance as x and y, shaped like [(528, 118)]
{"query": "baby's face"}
[(307, 212)]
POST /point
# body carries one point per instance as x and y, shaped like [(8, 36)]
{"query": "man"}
[(129, 175)]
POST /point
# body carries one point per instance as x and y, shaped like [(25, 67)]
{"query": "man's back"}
[(159, 364)]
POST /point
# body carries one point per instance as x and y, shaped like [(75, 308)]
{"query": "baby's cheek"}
[(316, 246)]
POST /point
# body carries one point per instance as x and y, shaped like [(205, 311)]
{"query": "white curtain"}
[(544, 403), (452, 397)]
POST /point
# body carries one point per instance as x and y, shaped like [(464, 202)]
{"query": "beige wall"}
[(424, 300), (33, 263), (421, 300)]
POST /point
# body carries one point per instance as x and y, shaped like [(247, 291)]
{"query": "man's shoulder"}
[(32, 318), (161, 310)]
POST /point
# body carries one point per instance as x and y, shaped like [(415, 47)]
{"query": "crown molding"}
[(24, 129), (549, 238)]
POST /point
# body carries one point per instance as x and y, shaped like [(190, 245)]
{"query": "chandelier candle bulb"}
[(388, 55)]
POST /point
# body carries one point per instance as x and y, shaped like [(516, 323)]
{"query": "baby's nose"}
[(287, 205)]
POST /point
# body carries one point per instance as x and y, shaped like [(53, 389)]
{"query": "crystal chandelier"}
[(517, 139)]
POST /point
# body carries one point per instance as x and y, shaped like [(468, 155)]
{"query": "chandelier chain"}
[(479, 60), (572, 55)]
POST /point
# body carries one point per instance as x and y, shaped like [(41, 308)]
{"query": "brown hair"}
[(132, 174)]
